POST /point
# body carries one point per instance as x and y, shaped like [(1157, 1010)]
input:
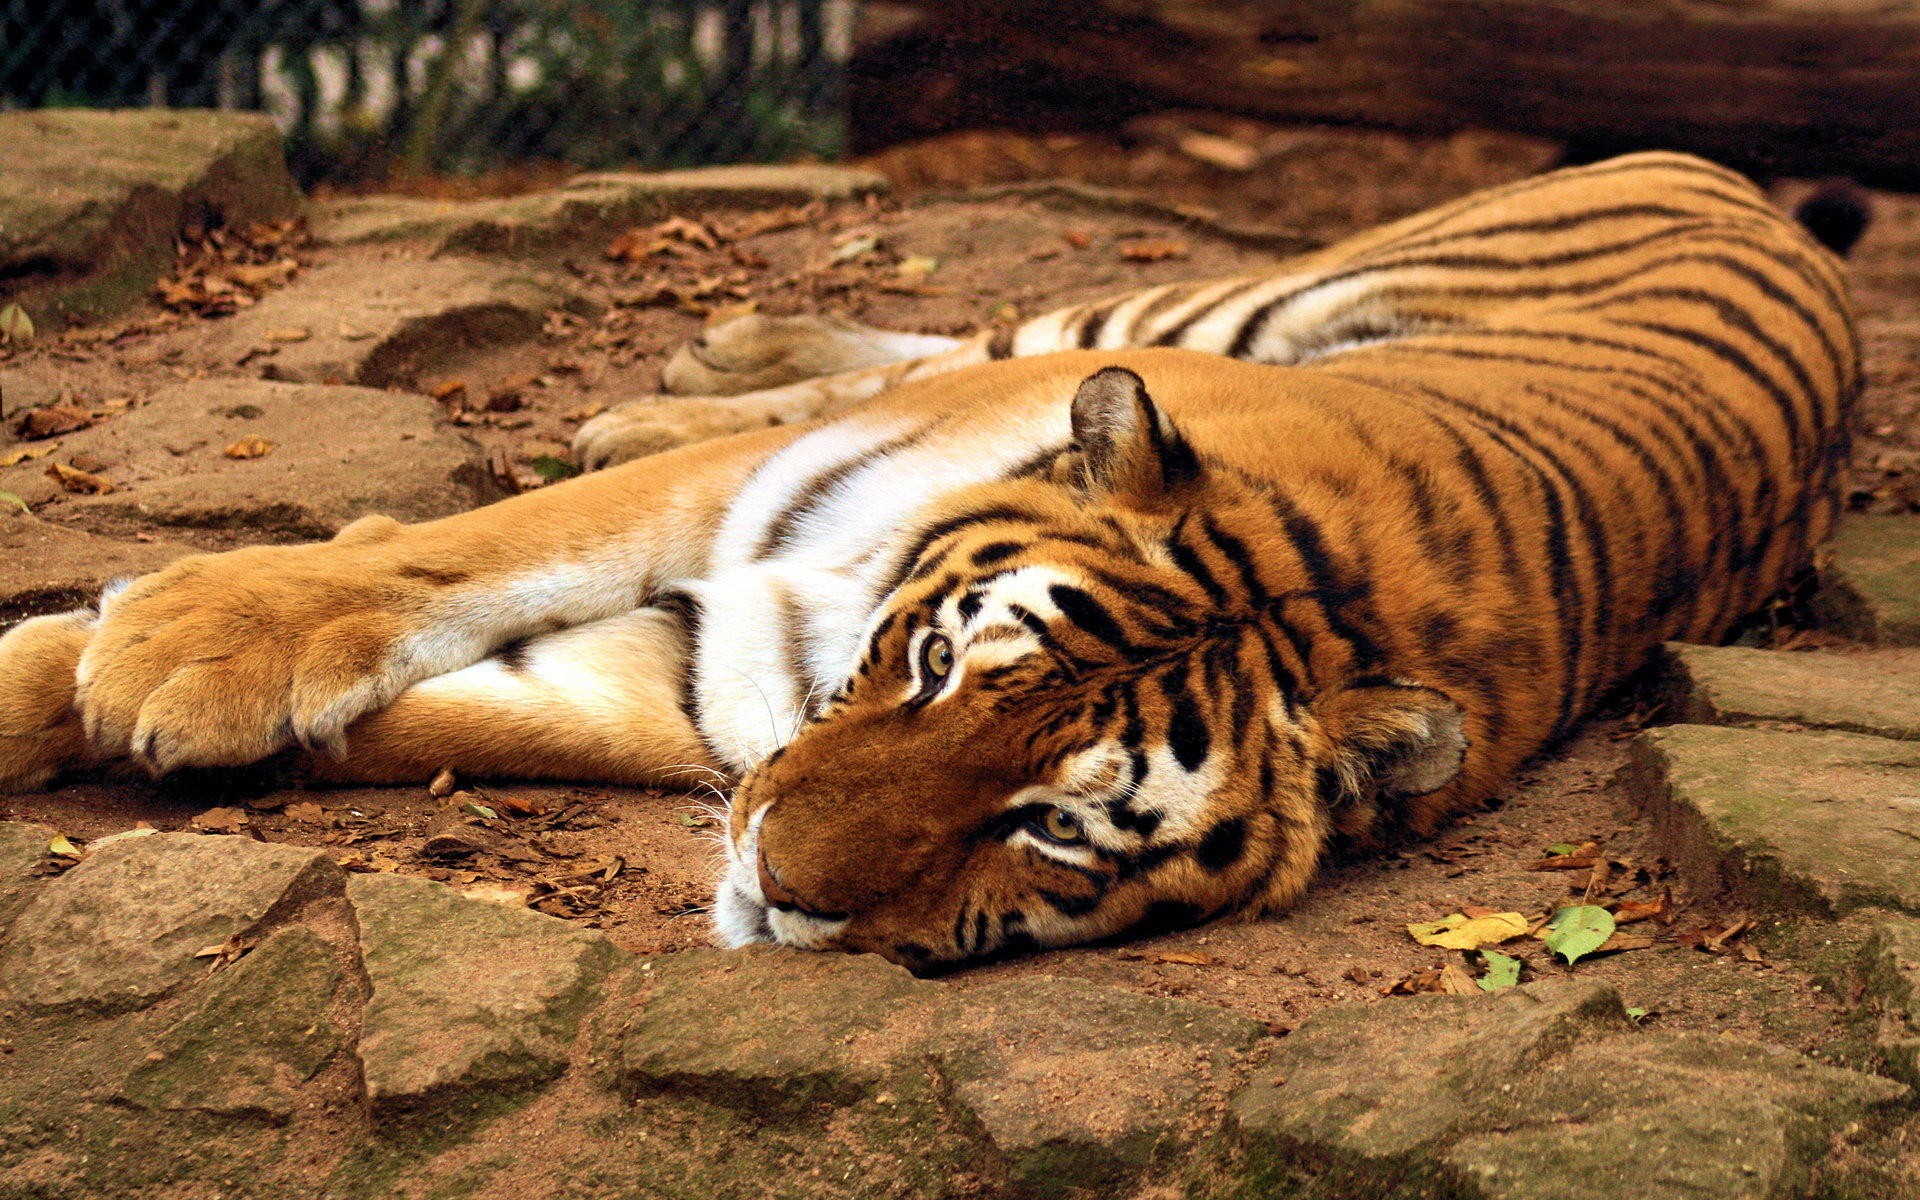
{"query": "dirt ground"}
[(641, 864)]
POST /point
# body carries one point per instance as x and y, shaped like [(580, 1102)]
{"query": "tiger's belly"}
[(804, 555)]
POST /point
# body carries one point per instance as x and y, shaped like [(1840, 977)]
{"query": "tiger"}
[(1119, 619)]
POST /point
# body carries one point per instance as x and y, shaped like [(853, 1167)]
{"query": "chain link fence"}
[(368, 87)]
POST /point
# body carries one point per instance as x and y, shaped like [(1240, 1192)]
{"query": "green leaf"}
[(552, 469), (1503, 970), (1635, 1014), (1560, 849), (1578, 930), (15, 501), (481, 810), (15, 324)]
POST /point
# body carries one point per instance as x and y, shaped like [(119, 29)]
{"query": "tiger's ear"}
[(1128, 447), (1391, 738)]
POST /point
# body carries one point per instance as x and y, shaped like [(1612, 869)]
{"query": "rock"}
[(168, 463), (22, 388), (1666, 1117), (1533, 1093), (23, 851), (1427, 1075), (1082, 1086), (1876, 693), (764, 1029), (466, 995), (90, 201), (256, 1031), (1812, 822), (1891, 963), (384, 324), (122, 929), (47, 568), (585, 205), (1871, 588), (1076, 1085)]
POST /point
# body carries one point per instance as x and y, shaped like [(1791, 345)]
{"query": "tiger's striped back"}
[(1413, 505)]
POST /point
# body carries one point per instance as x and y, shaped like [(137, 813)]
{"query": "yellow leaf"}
[(252, 446), (73, 479), (20, 454), (15, 324), (63, 847), (1457, 932)]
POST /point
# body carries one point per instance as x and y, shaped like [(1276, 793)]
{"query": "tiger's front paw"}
[(221, 660), (642, 427), (40, 730)]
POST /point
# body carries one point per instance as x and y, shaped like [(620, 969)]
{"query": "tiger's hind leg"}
[(753, 372), (600, 702)]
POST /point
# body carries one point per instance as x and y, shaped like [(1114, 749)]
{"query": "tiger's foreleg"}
[(226, 659), (601, 702)]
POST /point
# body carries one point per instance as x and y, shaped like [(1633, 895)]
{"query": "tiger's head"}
[(1083, 712)]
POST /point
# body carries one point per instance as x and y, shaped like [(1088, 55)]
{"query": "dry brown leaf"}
[(1625, 941), (73, 479), (221, 820), (1456, 980), (1184, 958), (53, 422), (1078, 239), (1413, 985), (1583, 861), (514, 804), (20, 454), (1717, 942), (771, 220), (251, 446), (448, 390), (305, 810), (1659, 909), (1152, 250)]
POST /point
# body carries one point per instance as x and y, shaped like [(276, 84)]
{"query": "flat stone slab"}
[(466, 995), (90, 201), (384, 324), (1891, 969), (1076, 1085), (1542, 1092), (1875, 692), (169, 464), (1871, 587), (1807, 822), (123, 928), (48, 568), (23, 851), (255, 1033), (586, 204)]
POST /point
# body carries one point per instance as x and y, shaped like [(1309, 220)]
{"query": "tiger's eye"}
[(1062, 826), (936, 656)]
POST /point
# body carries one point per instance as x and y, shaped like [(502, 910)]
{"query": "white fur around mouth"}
[(741, 914)]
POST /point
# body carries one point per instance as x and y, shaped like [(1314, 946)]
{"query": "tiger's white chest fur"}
[(805, 549)]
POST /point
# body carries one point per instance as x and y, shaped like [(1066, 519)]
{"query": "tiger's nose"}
[(781, 897)]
